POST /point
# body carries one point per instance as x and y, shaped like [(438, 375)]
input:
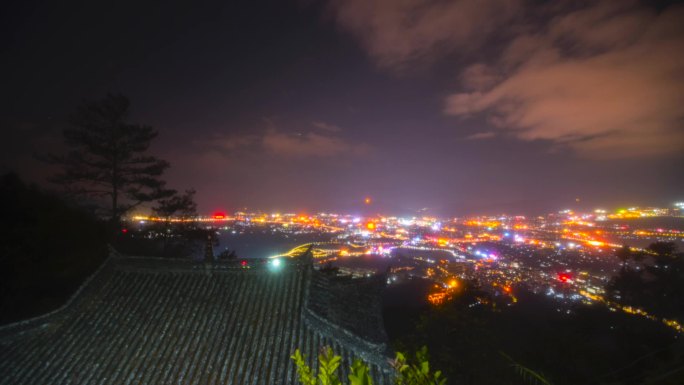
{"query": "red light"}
[(243, 263), (124, 231), (564, 277), (219, 215)]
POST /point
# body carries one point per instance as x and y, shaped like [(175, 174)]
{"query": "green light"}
[(276, 264)]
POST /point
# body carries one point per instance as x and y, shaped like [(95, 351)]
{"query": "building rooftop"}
[(151, 321)]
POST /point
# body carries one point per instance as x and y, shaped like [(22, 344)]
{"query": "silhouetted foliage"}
[(528, 375), (179, 207), (329, 268), (108, 159), (587, 345), (624, 254), (655, 284), (173, 234), (47, 249), (227, 255), (155, 239)]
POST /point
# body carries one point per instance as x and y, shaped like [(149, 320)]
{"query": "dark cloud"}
[(310, 144), (481, 135), (603, 78), (326, 126), (397, 33), (274, 142)]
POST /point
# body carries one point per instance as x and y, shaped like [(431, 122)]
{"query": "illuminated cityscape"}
[(567, 256), (342, 192)]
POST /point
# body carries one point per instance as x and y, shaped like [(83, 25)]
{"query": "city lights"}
[(304, 192), (567, 255)]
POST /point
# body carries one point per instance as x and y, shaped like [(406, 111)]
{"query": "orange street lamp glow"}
[(367, 201)]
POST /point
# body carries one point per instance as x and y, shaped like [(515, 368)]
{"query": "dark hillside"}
[(47, 249)]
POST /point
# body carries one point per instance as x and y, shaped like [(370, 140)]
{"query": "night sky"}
[(457, 107)]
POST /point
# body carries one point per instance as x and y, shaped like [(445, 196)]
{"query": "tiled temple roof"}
[(150, 321)]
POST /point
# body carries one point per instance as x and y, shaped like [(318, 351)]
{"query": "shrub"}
[(408, 372)]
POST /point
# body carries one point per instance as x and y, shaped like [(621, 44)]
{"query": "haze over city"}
[(459, 107)]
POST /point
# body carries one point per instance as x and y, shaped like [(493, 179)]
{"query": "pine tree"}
[(108, 160)]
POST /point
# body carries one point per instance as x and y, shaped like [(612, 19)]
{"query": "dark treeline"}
[(476, 339), (49, 245), (47, 249), (652, 279)]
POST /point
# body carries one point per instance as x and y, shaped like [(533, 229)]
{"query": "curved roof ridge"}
[(133, 322), (21, 326)]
